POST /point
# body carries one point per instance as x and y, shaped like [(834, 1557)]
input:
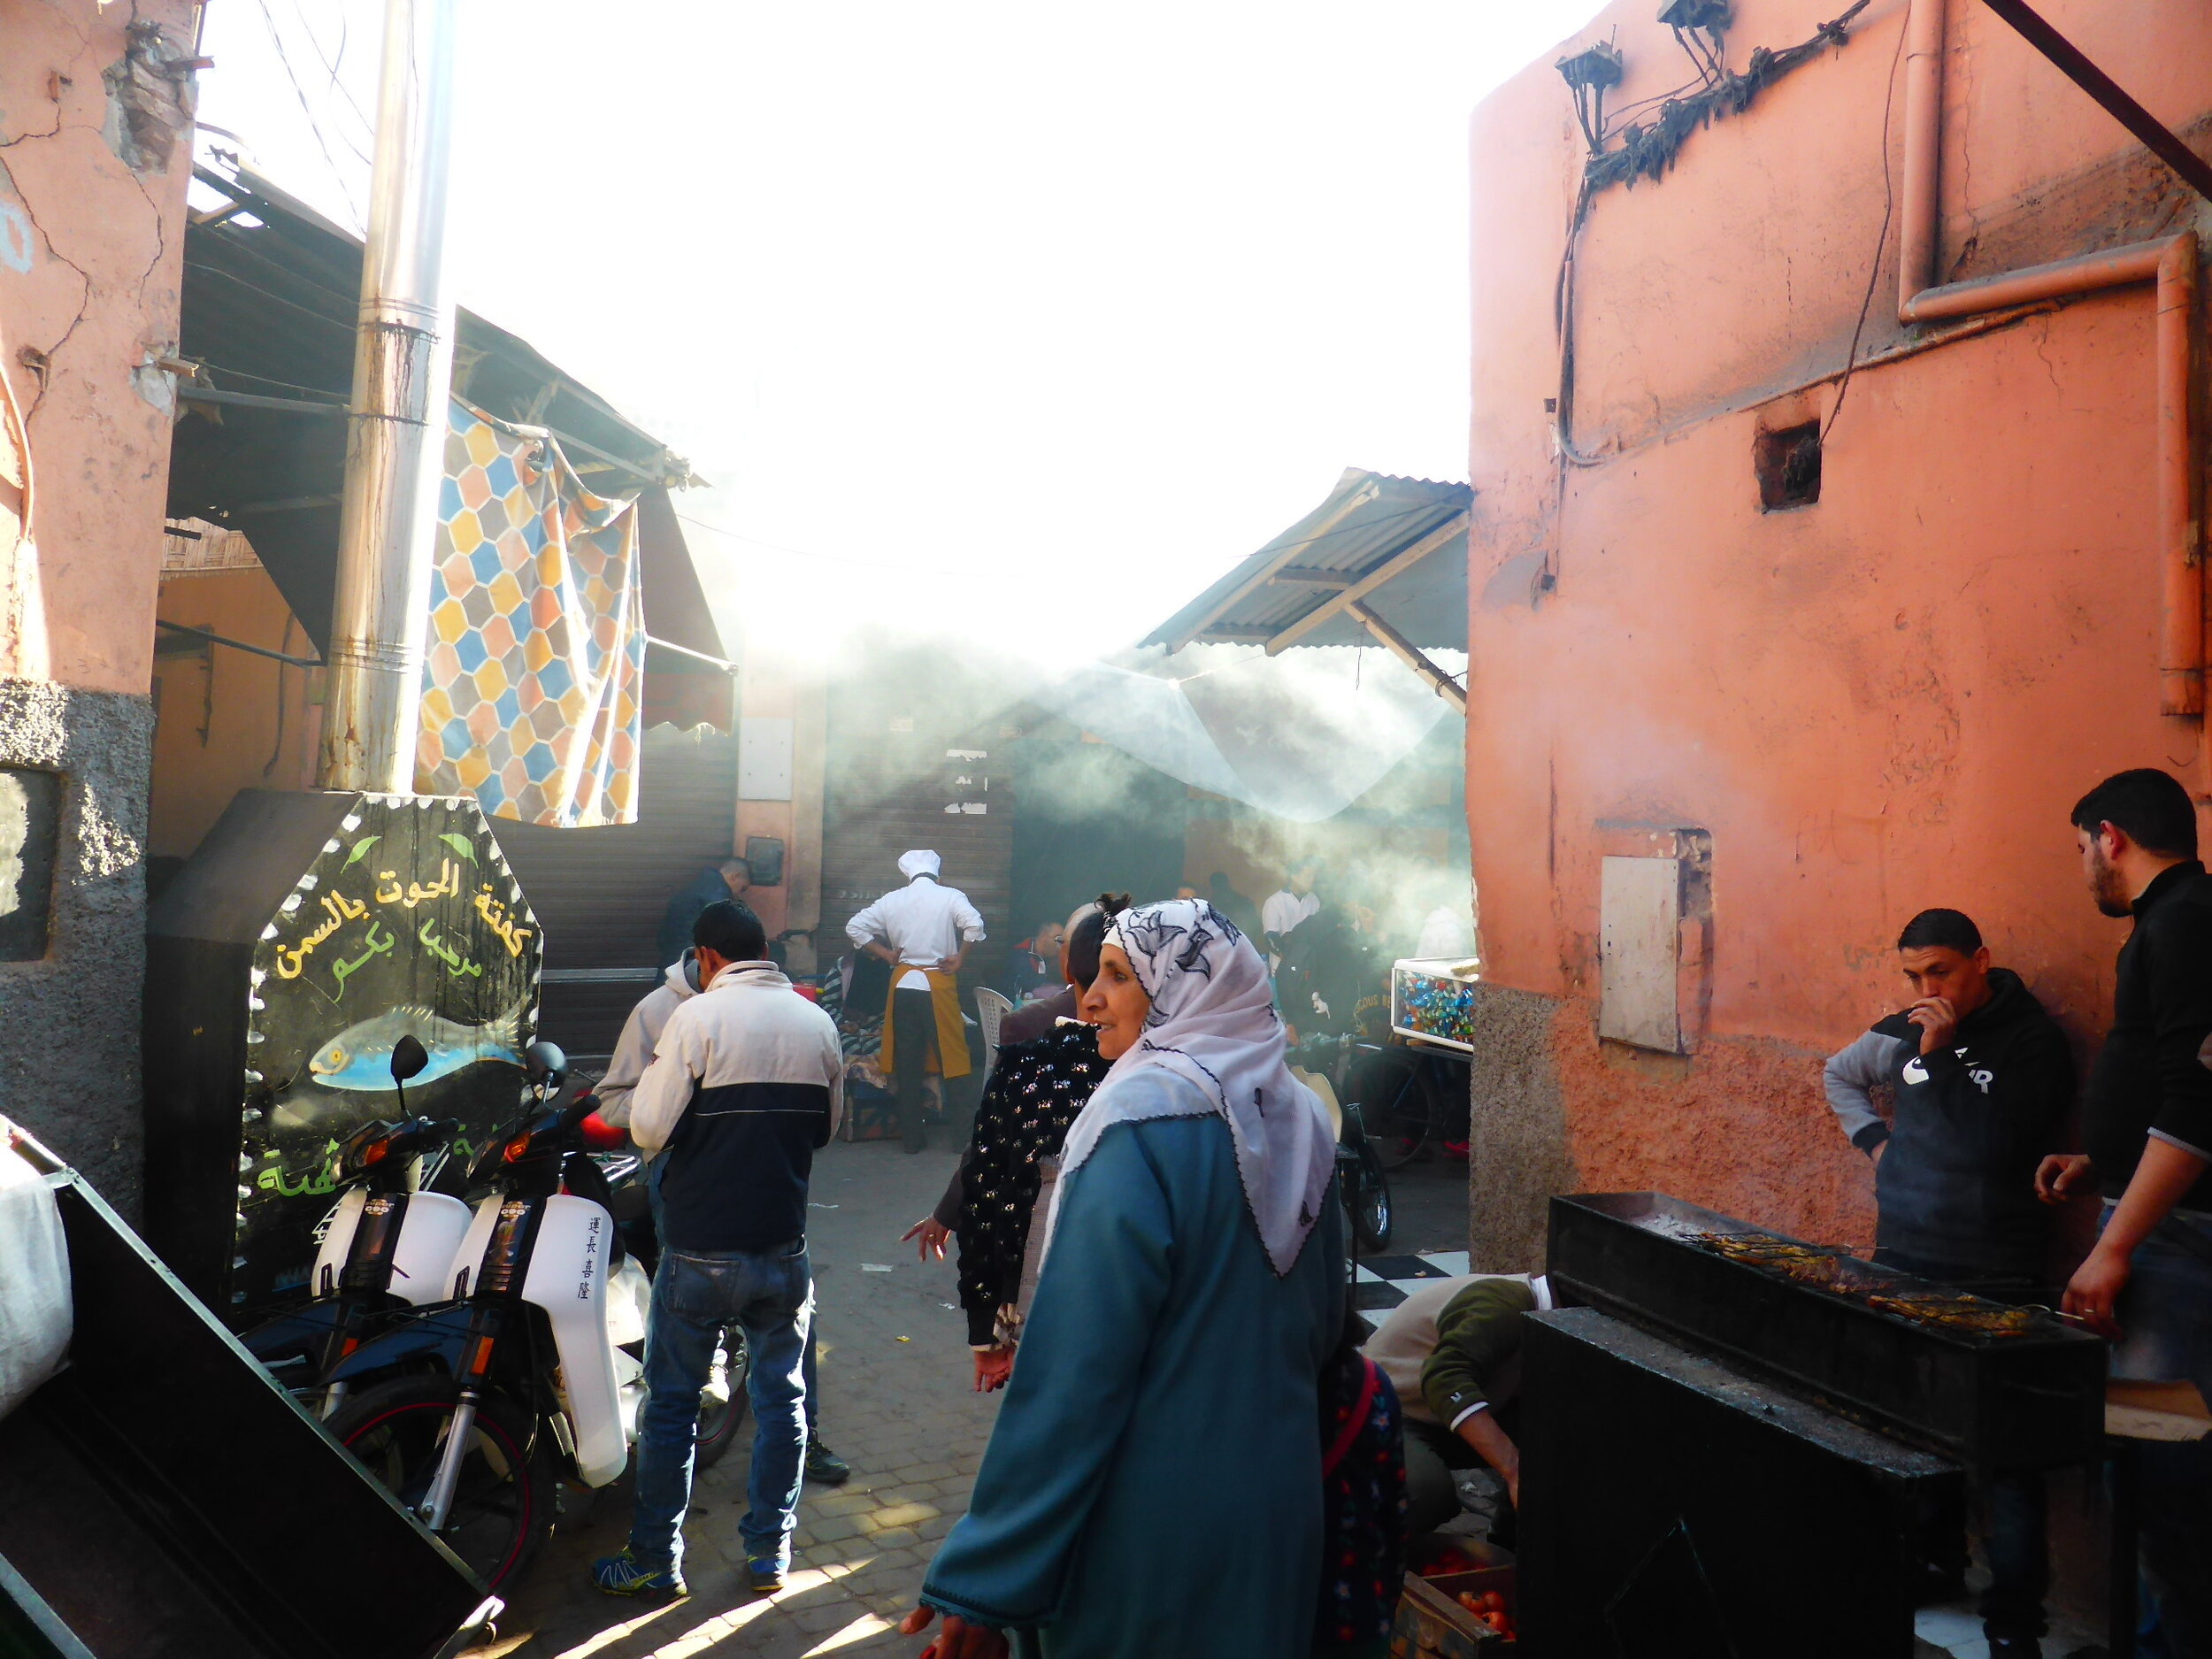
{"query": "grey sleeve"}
[(1850, 1072), (633, 1053)]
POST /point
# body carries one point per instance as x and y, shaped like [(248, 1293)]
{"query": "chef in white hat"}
[(923, 929)]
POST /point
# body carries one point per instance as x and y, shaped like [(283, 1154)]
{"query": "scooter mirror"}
[(409, 1056), (545, 1064)]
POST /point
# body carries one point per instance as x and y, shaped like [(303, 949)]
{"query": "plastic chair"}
[(990, 1009)]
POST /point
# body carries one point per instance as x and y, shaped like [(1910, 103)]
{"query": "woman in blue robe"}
[(1153, 1486)]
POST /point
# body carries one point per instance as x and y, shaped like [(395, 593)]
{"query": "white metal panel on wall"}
[(1639, 915)]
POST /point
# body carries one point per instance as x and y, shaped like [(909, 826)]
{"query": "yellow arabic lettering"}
[(300, 952), (394, 897)]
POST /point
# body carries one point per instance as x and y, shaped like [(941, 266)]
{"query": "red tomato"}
[(1492, 1602)]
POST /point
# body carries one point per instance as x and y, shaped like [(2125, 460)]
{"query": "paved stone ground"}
[(896, 1403)]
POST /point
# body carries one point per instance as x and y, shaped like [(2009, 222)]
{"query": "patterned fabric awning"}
[(534, 688)]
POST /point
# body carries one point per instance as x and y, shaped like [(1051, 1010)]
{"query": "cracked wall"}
[(96, 111)]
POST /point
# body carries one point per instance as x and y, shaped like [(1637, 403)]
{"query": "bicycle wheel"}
[(722, 1403), (503, 1508)]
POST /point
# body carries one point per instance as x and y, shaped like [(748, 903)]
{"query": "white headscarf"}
[(920, 861), (1213, 1022)]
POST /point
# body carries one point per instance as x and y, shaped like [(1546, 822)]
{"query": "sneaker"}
[(825, 1466), (627, 1575), (764, 1574)]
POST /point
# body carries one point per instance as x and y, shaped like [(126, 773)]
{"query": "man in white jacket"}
[(633, 1053), (745, 1086)]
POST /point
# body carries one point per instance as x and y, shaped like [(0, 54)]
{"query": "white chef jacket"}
[(926, 923)]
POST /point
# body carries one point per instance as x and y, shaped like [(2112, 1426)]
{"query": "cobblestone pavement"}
[(896, 1403)]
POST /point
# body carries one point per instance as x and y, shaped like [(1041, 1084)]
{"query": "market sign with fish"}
[(408, 923)]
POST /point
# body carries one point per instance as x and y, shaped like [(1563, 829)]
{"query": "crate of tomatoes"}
[(1456, 1599)]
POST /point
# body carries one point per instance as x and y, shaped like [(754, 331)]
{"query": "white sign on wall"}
[(764, 758)]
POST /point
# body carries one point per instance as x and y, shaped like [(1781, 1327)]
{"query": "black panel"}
[(1674, 1508), (163, 1499)]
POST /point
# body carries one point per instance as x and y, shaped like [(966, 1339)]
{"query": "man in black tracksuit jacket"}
[(1982, 1079)]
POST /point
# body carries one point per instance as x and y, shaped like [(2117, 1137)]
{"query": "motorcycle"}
[(470, 1410), (384, 1248)]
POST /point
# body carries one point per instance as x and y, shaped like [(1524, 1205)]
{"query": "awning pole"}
[(1408, 653), (402, 367)]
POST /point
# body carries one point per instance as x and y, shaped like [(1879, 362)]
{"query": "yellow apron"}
[(952, 1037)]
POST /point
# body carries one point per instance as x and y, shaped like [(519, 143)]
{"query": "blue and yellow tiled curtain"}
[(534, 689)]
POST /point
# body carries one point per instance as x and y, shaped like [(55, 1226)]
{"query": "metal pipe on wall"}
[(1923, 149), (403, 366), (2169, 262)]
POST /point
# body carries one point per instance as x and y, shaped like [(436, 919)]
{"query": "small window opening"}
[(1788, 465)]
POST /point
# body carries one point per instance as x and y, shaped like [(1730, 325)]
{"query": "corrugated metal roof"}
[(1369, 519)]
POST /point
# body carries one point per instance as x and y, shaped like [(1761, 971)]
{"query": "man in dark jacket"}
[(1982, 1079), (2148, 1124), (727, 883), (744, 1089)]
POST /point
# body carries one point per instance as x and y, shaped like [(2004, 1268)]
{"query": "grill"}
[(1991, 1386)]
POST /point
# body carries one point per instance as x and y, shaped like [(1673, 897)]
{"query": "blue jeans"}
[(660, 1232), (770, 1296), (2166, 1314)]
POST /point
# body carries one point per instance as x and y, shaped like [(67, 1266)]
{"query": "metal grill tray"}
[(1976, 1381)]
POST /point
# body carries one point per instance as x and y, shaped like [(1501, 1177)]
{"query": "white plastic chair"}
[(990, 1009)]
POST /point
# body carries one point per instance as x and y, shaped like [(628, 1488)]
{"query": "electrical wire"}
[(1881, 240), (332, 65), (1622, 115), (276, 39)]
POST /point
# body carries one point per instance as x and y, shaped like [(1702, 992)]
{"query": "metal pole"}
[(402, 365)]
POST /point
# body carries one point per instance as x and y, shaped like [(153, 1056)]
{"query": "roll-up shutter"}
[(901, 775), (599, 894)]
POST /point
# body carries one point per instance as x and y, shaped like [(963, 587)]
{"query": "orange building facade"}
[(1755, 677)]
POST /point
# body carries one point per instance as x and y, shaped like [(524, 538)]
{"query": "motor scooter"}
[(386, 1247), (469, 1412)]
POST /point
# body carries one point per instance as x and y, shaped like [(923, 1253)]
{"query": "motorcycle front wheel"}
[(502, 1511), (722, 1403)]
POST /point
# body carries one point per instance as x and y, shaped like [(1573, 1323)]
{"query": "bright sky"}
[(1022, 319)]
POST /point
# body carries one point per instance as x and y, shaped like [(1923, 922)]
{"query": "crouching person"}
[(1982, 1079), (1452, 1349), (743, 1088)]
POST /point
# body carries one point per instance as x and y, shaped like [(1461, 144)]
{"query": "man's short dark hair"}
[(1941, 930), (731, 931), (2150, 805), (1087, 937)]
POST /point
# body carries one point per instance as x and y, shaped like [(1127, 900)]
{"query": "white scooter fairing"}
[(430, 1232), (568, 1278)]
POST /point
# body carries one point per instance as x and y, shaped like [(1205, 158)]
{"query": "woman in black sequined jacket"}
[(1034, 1091)]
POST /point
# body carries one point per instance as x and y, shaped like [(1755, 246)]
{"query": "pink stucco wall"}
[(94, 153), (1884, 701)]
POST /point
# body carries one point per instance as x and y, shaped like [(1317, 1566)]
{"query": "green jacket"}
[(1478, 1357)]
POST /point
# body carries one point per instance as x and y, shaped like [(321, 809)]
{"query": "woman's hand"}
[(932, 1234), (959, 1639), (993, 1367), (2059, 1174)]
